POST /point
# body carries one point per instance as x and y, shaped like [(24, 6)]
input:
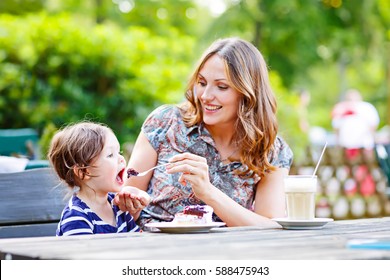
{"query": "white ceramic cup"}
[(300, 196)]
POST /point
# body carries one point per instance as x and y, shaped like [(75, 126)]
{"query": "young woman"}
[(222, 144)]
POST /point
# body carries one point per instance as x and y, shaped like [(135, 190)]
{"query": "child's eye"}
[(110, 155)]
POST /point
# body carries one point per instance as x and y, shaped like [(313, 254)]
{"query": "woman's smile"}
[(212, 108)]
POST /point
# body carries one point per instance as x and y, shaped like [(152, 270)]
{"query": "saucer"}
[(316, 223)]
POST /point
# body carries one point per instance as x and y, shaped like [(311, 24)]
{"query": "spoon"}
[(133, 172)]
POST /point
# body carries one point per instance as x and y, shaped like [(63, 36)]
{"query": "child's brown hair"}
[(74, 148)]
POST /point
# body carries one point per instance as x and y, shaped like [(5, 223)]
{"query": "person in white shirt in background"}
[(355, 122)]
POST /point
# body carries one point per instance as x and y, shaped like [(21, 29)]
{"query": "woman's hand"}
[(195, 171), (132, 199)]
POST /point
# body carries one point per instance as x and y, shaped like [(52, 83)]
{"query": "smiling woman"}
[(222, 144)]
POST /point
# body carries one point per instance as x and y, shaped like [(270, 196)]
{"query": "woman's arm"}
[(270, 195), (269, 203), (269, 200), (142, 158)]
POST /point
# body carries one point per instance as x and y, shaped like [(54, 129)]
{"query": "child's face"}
[(109, 167)]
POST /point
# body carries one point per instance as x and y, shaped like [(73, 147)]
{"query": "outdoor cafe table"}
[(328, 243)]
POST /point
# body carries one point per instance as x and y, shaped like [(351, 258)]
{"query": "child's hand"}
[(132, 199)]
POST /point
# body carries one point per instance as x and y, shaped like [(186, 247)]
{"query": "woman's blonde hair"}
[(256, 124)]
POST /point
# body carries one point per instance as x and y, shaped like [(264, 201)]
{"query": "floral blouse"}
[(168, 135)]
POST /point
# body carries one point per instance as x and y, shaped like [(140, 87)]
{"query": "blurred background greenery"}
[(114, 61)]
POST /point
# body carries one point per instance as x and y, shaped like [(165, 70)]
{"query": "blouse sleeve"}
[(282, 155), (158, 123)]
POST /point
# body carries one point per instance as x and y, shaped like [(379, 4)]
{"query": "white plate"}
[(316, 223), (170, 227)]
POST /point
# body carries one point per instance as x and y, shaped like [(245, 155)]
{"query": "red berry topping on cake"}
[(197, 210)]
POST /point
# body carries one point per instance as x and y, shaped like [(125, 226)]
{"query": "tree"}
[(20, 7), (298, 36)]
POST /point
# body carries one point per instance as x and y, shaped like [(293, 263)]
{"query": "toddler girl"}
[(86, 156)]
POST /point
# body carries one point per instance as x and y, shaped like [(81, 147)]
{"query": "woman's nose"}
[(206, 94)]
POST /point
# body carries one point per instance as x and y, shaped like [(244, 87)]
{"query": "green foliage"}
[(157, 16), (101, 64), (54, 70), (45, 139), (289, 116), (19, 7), (323, 46)]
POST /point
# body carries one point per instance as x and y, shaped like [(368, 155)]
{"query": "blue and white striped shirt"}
[(77, 218)]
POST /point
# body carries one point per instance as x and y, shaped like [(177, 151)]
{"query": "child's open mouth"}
[(119, 176)]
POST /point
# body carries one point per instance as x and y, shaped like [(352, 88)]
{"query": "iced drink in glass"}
[(300, 196)]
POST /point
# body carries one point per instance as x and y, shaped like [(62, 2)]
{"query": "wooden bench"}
[(31, 203)]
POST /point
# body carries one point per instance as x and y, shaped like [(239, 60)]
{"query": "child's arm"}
[(134, 199)]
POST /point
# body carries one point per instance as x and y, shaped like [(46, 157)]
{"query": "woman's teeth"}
[(212, 108)]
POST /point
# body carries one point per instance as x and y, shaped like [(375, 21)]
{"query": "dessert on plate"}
[(194, 215)]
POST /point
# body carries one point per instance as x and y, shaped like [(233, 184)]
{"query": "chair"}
[(19, 142), (31, 203), (382, 152)]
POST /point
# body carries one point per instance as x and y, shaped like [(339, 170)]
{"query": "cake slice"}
[(194, 215)]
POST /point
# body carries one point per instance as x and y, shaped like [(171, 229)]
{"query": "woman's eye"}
[(223, 87), (203, 84)]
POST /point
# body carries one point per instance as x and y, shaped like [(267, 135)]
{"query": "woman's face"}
[(218, 98)]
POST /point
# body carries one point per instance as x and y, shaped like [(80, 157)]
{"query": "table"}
[(328, 243)]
